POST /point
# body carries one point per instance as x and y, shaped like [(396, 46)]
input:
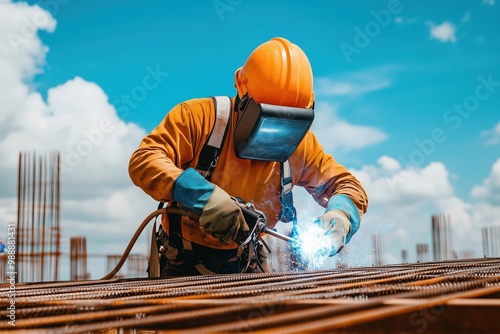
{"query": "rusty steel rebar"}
[(38, 217), (369, 299), (78, 258)]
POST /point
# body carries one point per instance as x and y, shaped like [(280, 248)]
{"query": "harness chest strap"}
[(288, 212)]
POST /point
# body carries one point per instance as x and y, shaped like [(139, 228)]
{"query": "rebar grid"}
[(283, 302)]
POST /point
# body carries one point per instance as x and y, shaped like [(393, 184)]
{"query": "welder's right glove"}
[(220, 216), (340, 221), (336, 226)]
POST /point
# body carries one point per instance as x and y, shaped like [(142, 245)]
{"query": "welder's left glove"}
[(220, 216), (340, 221)]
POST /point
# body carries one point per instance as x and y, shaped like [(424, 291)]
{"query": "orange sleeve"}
[(170, 148), (323, 177)]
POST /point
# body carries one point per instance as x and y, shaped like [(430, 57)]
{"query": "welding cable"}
[(162, 211)]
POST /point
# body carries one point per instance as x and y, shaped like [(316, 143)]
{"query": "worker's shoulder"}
[(193, 108), (198, 108), (198, 103)]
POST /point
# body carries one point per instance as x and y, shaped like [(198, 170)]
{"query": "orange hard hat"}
[(277, 72)]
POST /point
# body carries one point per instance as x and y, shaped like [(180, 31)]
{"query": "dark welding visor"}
[(269, 132)]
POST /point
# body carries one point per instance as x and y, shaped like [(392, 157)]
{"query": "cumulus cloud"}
[(402, 201), (486, 199), (98, 199), (336, 133), (492, 137), (489, 191), (389, 184), (445, 32)]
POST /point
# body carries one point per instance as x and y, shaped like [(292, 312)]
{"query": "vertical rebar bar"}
[(19, 213), (58, 213), (78, 258), (38, 217)]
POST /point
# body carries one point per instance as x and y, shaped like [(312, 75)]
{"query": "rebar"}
[(78, 258), (38, 217), (373, 299)]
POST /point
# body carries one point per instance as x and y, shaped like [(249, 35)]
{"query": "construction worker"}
[(276, 79)]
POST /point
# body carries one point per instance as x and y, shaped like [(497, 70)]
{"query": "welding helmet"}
[(275, 101)]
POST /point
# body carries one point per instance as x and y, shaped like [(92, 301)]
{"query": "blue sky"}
[(200, 44), (388, 78)]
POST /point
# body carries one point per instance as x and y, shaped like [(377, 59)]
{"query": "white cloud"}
[(389, 164), (486, 199), (492, 137), (356, 83), (489, 191), (98, 198), (396, 186), (336, 133), (489, 2), (402, 201), (445, 32)]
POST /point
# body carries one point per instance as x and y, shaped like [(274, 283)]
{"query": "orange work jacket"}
[(175, 144)]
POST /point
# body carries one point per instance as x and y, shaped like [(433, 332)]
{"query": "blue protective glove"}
[(220, 216), (340, 221)]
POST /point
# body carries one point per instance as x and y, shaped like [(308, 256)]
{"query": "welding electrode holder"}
[(255, 219), (257, 222)]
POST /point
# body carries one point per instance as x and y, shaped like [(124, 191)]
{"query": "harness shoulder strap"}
[(211, 150), (288, 212), (206, 162)]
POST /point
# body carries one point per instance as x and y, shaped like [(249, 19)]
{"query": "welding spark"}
[(314, 245)]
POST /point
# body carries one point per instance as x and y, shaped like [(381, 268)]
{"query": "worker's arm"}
[(164, 153), (332, 186), (160, 167), (323, 177)]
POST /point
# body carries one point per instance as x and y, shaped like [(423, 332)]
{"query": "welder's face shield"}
[(270, 132)]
